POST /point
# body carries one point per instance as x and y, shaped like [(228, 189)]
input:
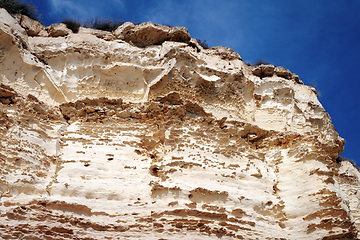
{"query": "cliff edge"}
[(141, 133)]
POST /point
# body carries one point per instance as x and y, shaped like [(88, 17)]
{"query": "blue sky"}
[(318, 40)]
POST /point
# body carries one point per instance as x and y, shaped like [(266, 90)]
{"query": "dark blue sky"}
[(318, 40)]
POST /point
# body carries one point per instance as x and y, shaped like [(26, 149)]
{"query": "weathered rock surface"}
[(148, 33), (98, 33), (149, 136), (58, 30), (33, 28)]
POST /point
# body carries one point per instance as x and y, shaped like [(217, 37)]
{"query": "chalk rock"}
[(33, 28), (10, 26), (150, 136)]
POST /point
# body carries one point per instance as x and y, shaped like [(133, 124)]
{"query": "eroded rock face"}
[(152, 137), (148, 33), (98, 33), (33, 28)]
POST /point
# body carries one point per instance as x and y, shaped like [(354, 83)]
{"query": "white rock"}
[(124, 139)]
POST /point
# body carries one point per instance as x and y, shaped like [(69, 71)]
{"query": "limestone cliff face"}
[(143, 134)]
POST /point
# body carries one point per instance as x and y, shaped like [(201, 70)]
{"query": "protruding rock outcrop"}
[(142, 133), (146, 34), (33, 28), (58, 30)]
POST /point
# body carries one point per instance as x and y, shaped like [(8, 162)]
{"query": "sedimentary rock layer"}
[(143, 134)]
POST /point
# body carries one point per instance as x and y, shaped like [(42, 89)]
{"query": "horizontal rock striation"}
[(143, 134)]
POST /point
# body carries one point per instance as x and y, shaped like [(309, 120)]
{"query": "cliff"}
[(143, 134)]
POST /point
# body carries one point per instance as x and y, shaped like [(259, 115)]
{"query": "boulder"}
[(148, 33), (58, 30), (32, 27), (264, 70)]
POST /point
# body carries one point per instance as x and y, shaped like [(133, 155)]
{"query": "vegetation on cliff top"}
[(15, 6), (72, 24), (106, 24), (203, 44), (28, 9), (103, 24)]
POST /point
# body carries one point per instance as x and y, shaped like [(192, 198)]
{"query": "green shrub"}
[(203, 44), (103, 24), (72, 24), (261, 61), (258, 62), (15, 6)]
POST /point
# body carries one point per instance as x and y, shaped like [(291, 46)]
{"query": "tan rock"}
[(123, 30), (98, 33), (148, 33), (58, 30), (285, 73), (33, 28), (264, 70), (225, 53)]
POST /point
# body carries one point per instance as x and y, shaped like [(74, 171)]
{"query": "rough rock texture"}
[(148, 33), (149, 136), (98, 33), (33, 28), (58, 30)]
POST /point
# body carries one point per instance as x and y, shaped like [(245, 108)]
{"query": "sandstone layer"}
[(143, 134)]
